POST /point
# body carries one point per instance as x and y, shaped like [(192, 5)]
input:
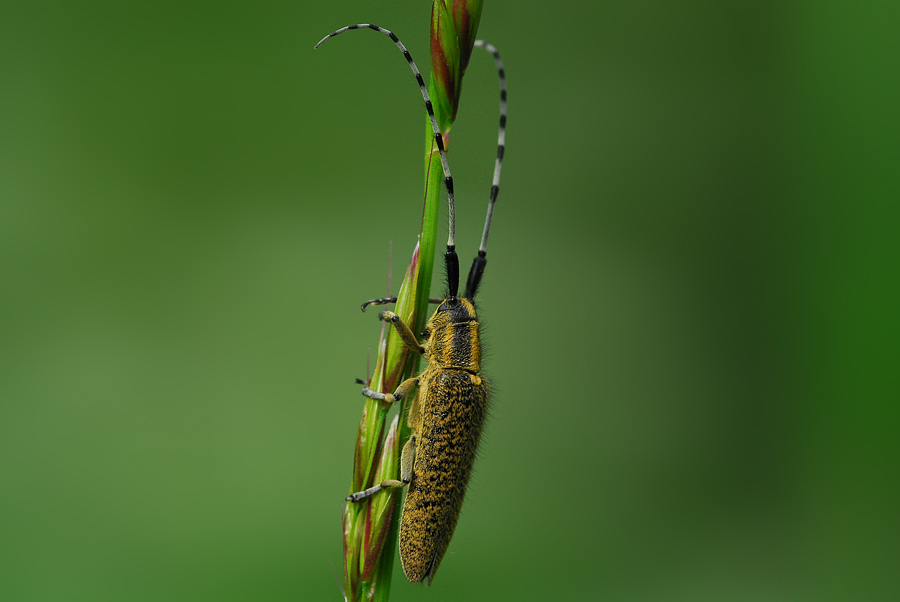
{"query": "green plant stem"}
[(434, 177)]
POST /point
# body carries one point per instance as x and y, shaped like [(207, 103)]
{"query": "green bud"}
[(351, 527), (381, 505), (454, 24), (367, 523)]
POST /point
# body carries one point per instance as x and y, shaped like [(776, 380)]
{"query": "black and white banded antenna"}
[(479, 263), (450, 257)]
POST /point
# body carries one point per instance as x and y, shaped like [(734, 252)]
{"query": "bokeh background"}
[(690, 306)]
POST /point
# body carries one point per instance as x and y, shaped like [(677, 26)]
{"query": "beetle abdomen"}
[(453, 412)]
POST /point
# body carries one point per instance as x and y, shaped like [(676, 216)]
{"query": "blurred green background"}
[(690, 306)]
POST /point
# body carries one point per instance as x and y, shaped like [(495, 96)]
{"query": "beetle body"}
[(447, 418)]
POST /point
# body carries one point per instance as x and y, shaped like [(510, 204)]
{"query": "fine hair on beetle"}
[(448, 411)]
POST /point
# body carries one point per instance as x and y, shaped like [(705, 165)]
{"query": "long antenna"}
[(438, 138), (480, 261)]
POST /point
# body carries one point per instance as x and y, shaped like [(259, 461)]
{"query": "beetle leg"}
[(386, 300), (402, 389), (407, 456), (403, 330), (406, 463), (414, 417)]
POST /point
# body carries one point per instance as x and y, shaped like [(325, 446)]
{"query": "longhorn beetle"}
[(448, 412)]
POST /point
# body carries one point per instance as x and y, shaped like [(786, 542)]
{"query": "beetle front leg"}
[(406, 463), (386, 300), (403, 330)]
